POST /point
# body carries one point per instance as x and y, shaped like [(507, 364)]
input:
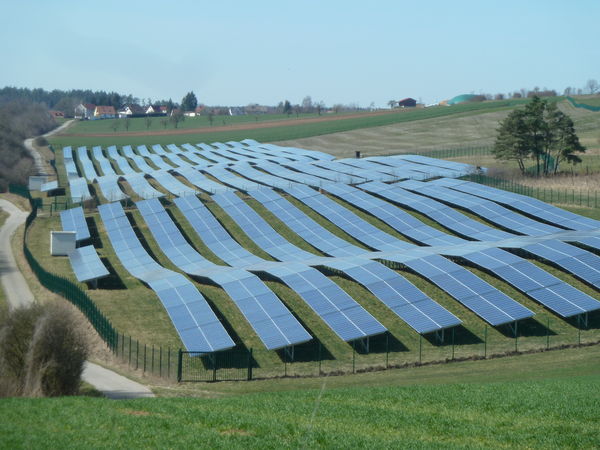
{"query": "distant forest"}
[(65, 101)]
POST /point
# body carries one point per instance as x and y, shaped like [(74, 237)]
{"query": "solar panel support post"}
[(289, 351), (320, 359), (453, 344), (387, 349), (213, 359), (439, 335)]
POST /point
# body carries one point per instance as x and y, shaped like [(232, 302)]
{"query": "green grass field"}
[(546, 400), (296, 129), (592, 100)]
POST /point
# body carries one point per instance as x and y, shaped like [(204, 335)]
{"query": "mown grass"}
[(546, 400)]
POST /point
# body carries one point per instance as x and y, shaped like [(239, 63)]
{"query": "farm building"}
[(104, 112), (85, 111), (57, 114), (407, 103), (463, 98)]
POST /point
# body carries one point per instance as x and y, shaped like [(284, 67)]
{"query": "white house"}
[(84, 111)]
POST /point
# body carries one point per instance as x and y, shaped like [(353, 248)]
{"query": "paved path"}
[(111, 384), (41, 165)]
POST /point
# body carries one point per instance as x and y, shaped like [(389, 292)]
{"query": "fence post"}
[(387, 349), (420, 348), (137, 354), (249, 377), (548, 334), (320, 358), (145, 351), (152, 370), (214, 361), (129, 363), (485, 341), (179, 365)]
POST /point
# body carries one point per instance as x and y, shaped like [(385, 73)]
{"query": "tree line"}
[(19, 120)]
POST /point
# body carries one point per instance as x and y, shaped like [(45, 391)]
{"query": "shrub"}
[(42, 352), (41, 141)]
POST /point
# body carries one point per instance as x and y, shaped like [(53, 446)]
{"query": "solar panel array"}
[(271, 320), (105, 165), (86, 264), (528, 205), (74, 220), (197, 325), (109, 186), (338, 310), (555, 294)]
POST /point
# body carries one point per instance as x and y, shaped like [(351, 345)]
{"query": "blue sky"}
[(239, 52)]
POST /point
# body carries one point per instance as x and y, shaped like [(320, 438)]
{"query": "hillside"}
[(549, 402)]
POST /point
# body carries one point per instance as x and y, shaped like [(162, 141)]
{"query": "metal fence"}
[(575, 197), (314, 360), (583, 105)]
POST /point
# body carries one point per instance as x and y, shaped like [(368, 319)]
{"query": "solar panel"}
[(86, 264), (270, 319), (105, 166), (109, 186), (142, 187), (122, 163), (555, 294), (89, 170), (229, 178), (79, 190), (172, 184), (487, 302), (200, 180), (49, 186), (74, 220), (530, 206), (196, 324)]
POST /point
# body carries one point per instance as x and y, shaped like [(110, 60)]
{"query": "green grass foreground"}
[(550, 402)]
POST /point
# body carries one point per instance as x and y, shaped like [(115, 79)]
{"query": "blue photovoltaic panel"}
[(172, 184), (79, 190), (271, 320), (105, 166), (315, 154), (484, 208), (193, 154), (456, 169), (348, 221), (441, 213), (398, 219), (140, 162), (200, 180), (487, 302), (341, 313), (49, 186), (229, 178), (250, 172), (109, 186), (74, 220), (89, 171), (530, 206), (70, 167), (122, 163), (553, 293), (299, 177), (140, 185), (199, 328), (214, 156), (86, 264), (318, 171)]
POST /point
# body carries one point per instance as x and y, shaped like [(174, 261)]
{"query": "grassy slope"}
[(296, 129), (3, 303), (546, 400)]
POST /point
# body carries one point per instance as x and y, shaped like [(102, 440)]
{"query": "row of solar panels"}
[(296, 166)]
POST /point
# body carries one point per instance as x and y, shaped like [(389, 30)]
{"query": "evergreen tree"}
[(540, 132), (189, 102)]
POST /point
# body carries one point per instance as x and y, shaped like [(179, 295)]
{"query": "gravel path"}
[(41, 166)]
